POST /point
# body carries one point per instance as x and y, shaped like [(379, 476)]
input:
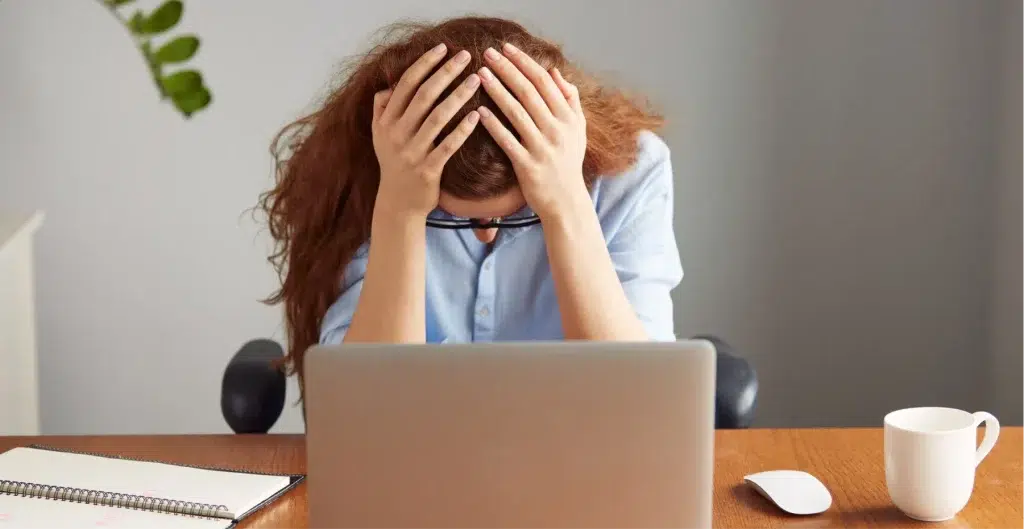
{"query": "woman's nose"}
[(487, 235)]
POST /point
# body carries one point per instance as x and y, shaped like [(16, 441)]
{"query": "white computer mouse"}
[(793, 491)]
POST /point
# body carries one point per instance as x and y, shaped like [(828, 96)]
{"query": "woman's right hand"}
[(404, 132)]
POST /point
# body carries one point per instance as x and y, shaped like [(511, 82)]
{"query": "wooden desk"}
[(850, 464), (847, 461)]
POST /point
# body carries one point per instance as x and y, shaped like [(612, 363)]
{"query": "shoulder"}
[(649, 178), (651, 150)]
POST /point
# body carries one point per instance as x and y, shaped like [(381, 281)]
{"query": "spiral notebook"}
[(55, 488)]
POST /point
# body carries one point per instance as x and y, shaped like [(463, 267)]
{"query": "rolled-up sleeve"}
[(644, 249), (339, 315)]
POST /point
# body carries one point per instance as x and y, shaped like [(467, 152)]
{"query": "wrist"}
[(402, 205), (387, 223), (574, 207)]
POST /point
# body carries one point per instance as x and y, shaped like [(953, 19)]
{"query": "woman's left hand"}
[(546, 112)]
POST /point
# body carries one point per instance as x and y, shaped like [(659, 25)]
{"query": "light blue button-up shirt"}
[(507, 293)]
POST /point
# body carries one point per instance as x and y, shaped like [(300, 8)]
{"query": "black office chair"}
[(253, 391)]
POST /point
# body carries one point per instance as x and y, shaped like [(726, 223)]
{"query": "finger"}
[(411, 80), (431, 89), (540, 78), (522, 87), (511, 107), (443, 113), (571, 93), (444, 151), (508, 143), (380, 102), (569, 90)]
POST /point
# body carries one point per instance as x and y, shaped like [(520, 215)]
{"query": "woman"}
[(467, 183)]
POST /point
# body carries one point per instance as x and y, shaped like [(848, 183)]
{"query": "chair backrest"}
[(253, 390), (736, 387)]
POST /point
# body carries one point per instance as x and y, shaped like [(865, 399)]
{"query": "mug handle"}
[(991, 434)]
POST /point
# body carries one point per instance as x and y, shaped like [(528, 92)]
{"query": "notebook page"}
[(31, 513), (238, 491)]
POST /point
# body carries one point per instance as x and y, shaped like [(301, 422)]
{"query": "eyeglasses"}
[(448, 222)]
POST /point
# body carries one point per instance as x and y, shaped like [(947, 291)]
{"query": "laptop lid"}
[(533, 434)]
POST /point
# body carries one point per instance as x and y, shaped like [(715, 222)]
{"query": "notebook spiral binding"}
[(109, 499)]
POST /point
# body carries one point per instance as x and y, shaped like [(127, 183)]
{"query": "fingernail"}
[(486, 74), (484, 111), (438, 49), (472, 117), (473, 80), (510, 49), (492, 55), (462, 57)]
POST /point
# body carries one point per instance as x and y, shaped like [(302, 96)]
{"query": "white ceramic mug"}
[(930, 457)]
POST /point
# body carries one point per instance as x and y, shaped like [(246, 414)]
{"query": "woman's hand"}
[(392, 302), (546, 112), (404, 133)]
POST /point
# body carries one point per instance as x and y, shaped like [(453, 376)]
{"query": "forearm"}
[(591, 300), (392, 302)]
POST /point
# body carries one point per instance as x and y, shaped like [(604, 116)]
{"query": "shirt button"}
[(483, 311), (487, 265)]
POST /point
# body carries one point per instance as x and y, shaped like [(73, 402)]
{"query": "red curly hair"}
[(327, 173)]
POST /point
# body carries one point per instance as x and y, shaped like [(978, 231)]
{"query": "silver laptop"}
[(533, 434)]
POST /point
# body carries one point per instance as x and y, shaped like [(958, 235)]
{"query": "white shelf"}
[(19, 378)]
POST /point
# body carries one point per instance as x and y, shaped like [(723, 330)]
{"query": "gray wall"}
[(1008, 282), (838, 204), (848, 193)]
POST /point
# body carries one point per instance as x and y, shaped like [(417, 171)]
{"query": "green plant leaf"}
[(136, 22), (178, 50), (115, 3), (164, 17), (191, 102), (181, 82)]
